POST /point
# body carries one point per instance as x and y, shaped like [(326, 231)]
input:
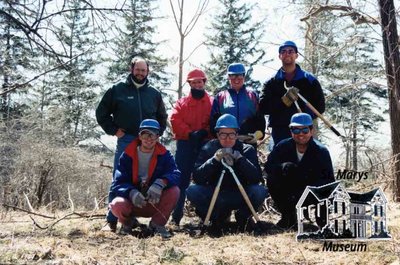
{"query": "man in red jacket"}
[(190, 122), (145, 183)]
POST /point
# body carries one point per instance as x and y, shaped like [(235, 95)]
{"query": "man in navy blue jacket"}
[(146, 182), (208, 168), (277, 102), (295, 163)]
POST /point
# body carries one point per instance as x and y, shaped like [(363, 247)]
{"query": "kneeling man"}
[(208, 169), (145, 182), (295, 163)]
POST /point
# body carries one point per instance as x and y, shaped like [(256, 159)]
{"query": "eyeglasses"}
[(224, 136), (240, 76), (288, 51), (148, 136), (302, 130)]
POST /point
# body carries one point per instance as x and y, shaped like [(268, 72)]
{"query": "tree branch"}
[(355, 15)]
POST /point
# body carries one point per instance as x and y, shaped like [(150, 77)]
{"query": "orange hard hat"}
[(196, 74)]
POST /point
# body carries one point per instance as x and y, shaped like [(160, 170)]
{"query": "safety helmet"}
[(227, 121), (236, 69), (196, 74), (301, 119), (150, 125), (288, 43)]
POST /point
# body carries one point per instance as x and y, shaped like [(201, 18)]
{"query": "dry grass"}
[(81, 241)]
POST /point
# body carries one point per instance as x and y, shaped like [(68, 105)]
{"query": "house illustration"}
[(330, 211)]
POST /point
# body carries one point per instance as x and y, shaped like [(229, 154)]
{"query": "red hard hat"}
[(196, 74)]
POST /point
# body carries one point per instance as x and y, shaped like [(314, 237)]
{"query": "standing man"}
[(190, 122), (277, 102), (242, 103), (124, 106), (295, 163), (208, 169), (145, 182)]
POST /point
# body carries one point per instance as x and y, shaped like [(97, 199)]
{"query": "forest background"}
[(57, 58)]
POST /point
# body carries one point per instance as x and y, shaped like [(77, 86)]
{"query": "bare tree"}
[(184, 31), (390, 42), (36, 23)]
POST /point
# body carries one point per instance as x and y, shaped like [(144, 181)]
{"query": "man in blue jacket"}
[(146, 182), (278, 103), (208, 169), (295, 163), (124, 106), (241, 102)]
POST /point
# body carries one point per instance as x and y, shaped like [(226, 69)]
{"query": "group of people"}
[(213, 134)]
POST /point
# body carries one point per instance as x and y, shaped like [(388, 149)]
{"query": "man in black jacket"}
[(278, 103), (124, 106), (208, 168), (295, 163)]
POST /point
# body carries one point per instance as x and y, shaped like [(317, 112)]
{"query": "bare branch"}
[(28, 202), (200, 11), (27, 211), (355, 15), (16, 86), (175, 18)]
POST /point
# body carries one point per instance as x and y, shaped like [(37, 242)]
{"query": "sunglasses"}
[(224, 136), (298, 130), (290, 51), (148, 136)]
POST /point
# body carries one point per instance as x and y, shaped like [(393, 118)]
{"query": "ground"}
[(81, 241)]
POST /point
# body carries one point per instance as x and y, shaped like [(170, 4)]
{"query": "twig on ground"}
[(27, 211), (29, 203)]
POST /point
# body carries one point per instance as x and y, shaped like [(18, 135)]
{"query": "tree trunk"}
[(182, 42), (392, 67), (354, 140)]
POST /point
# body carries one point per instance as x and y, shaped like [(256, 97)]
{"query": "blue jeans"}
[(185, 157), (278, 134), (122, 143), (227, 201)]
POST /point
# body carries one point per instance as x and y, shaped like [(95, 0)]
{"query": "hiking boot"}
[(160, 229), (174, 226), (125, 230), (110, 226)]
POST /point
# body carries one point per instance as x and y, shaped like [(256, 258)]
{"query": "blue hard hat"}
[(300, 119), (150, 125), (288, 43), (236, 69), (227, 121)]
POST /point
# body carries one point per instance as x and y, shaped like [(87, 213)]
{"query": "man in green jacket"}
[(124, 106)]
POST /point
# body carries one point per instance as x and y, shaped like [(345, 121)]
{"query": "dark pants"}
[(185, 157), (122, 143), (278, 134), (286, 192), (227, 201)]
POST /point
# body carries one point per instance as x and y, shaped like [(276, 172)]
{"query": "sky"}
[(282, 23)]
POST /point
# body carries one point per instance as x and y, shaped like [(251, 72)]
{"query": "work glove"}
[(137, 198), (290, 96), (288, 169), (155, 190), (236, 155), (231, 158), (257, 135), (197, 137), (220, 153)]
